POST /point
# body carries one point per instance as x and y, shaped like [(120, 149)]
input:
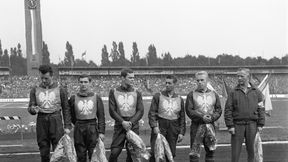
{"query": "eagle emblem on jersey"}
[(125, 102), (47, 99), (170, 106), (85, 107), (205, 101)]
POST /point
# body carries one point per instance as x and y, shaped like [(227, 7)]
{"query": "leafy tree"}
[(224, 60), (135, 57), (5, 58), (167, 59), (80, 62), (69, 58), (250, 61), (284, 60), (188, 60), (142, 62), (122, 59), (1, 55), (202, 60), (151, 56), (13, 60), (19, 50), (92, 64), (105, 57), (114, 54), (261, 61), (45, 54), (238, 60), (274, 61), (21, 61)]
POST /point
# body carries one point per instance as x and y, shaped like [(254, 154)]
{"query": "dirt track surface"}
[(272, 153)]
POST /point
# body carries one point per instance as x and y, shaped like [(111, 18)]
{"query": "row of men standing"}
[(86, 111)]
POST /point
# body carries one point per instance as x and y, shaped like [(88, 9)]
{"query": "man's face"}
[(85, 84), (201, 81), (129, 79), (243, 77), (169, 85), (46, 79)]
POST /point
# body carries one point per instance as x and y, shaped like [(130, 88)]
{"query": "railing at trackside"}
[(21, 100)]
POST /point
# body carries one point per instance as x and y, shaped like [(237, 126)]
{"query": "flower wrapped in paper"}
[(206, 133), (258, 148), (210, 137), (136, 145), (99, 152), (162, 149), (167, 149), (159, 149), (135, 154), (64, 151)]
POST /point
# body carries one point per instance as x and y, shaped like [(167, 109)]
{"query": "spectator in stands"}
[(48, 100), (203, 107), (126, 108), (19, 86), (167, 116), (87, 112), (244, 115)]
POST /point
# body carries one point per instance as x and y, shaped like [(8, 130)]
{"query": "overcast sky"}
[(206, 27)]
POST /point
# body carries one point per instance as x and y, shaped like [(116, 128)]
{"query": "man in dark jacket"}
[(87, 112), (203, 107), (167, 116), (244, 115), (48, 100), (126, 108)]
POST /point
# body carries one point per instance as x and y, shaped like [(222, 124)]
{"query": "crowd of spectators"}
[(19, 86)]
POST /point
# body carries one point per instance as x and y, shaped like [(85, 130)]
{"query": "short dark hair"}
[(85, 76), (172, 77), (125, 71), (46, 69)]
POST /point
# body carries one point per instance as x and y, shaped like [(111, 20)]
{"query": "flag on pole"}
[(264, 88), (258, 150), (226, 89), (84, 54), (146, 59), (209, 86)]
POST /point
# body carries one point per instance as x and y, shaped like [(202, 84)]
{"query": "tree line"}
[(117, 57)]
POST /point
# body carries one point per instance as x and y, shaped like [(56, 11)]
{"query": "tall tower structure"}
[(33, 30)]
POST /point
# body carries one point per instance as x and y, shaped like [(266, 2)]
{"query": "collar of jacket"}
[(85, 94), (125, 89), (250, 86), (201, 91), (53, 85), (165, 93)]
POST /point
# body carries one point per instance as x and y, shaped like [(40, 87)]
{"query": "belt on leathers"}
[(244, 122)]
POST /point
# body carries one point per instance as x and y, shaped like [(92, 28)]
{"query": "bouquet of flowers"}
[(64, 151)]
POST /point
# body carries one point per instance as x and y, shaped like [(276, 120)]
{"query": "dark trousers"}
[(118, 141), (85, 139), (170, 129), (248, 131), (49, 130), (209, 157)]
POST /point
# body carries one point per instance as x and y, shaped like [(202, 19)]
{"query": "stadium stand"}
[(19, 86)]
